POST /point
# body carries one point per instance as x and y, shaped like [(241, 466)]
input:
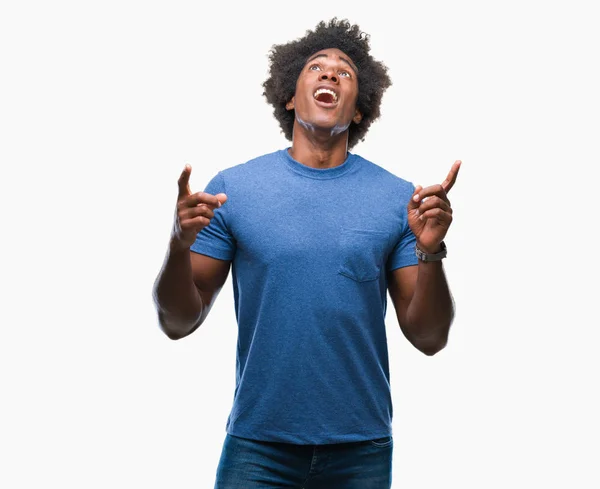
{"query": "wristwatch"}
[(421, 255)]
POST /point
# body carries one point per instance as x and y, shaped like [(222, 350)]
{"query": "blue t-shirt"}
[(310, 249)]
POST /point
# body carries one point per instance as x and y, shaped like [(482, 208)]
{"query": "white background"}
[(102, 104)]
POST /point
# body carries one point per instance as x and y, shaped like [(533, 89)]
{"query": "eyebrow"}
[(323, 55)]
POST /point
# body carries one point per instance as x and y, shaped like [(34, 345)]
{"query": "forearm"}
[(431, 309), (177, 299)]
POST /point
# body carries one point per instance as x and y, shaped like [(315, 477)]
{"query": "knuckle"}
[(206, 211)]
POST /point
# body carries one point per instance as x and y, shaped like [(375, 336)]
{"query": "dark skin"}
[(189, 283), (420, 294), (318, 139)]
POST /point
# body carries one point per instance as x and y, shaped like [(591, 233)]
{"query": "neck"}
[(319, 149)]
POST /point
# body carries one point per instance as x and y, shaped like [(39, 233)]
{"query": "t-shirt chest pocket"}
[(362, 253)]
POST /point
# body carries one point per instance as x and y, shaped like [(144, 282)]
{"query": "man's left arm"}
[(424, 305), (420, 294)]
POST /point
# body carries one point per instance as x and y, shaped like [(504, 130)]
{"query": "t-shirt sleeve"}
[(216, 240), (403, 254)]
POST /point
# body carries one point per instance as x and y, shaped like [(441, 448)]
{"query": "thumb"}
[(222, 198), (415, 198), (184, 182)]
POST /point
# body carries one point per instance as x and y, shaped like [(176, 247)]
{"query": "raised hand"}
[(193, 213), (430, 213)]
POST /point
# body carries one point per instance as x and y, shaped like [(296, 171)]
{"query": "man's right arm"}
[(186, 289), (188, 283)]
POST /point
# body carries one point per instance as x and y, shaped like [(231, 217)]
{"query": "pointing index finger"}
[(184, 181), (451, 178)]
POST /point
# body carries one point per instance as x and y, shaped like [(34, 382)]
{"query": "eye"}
[(314, 68), (345, 73)]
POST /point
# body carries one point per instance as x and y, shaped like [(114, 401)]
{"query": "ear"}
[(290, 104), (357, 117)]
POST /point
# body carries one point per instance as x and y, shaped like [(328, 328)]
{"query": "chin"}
[(329, 124), (335, 129), (323, 125)]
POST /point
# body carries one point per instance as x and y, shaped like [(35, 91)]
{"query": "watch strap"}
[(421, 255)]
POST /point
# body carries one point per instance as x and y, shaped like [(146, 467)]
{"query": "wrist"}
[(431, 249), (177, 247), (431, 253)]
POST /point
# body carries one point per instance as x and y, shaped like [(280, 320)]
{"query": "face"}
[(326, 93)]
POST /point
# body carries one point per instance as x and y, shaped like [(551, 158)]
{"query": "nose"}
[(328, 75)]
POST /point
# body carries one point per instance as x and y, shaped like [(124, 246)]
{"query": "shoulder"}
[(245, 175), (385, 179)]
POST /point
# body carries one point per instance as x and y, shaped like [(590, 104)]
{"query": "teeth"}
[(326, 90)]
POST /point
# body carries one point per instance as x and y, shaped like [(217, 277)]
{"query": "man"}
[(316, 237)]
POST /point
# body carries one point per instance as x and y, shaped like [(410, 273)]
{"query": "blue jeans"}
[(252, 464)]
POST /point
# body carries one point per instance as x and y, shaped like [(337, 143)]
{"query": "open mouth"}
[(325, 96)]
